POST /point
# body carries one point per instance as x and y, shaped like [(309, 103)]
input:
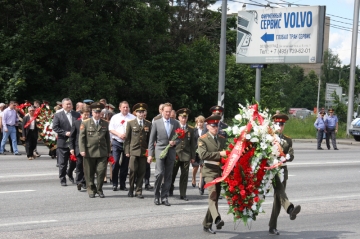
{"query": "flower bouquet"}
[(251, 162), (44, 123), (179, 134)]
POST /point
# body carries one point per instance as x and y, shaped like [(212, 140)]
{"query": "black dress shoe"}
[(79, 186), (193, 184), (293, 211), (209, 230), (165, 202), (63, 184), (114, 188), (101, 195), (124, 189), (171, 193), (71, 179), (140, 196), (17, 153), (91, 195), (201, 192), (320, 148), (83, 185), (219, 223), (274, 231), (130, 194), (157, 201), (57, 165), (336, 149), (184, 198), (148, 187)]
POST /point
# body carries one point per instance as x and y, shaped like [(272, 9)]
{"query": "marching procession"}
[(91, 137)]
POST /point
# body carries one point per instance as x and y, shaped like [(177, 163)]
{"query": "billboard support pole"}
[(352, 66), (222, 63), (258, 84)]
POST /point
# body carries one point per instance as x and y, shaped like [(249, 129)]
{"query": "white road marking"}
[(26, 223), (322, 163), (28, 175), (18, 191), (354, 196)]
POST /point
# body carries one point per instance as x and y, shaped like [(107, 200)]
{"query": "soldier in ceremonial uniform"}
[(218, 110), (185, 152), (280, 197), (94, 145), (211, 148), (136, 143)]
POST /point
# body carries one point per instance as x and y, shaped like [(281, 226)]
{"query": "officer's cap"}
[(183, 112), (111, 106), (140, 107), (213, 120), (88, 101), (216, 109), (58, 103), (280, 118), (97, 107)]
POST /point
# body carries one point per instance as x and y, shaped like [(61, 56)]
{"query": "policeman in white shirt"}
[(117, 128)]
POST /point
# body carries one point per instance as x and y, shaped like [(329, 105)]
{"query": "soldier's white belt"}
[(211, 162)]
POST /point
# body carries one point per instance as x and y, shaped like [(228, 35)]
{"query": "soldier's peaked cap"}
[(216, 109), (213, 120), (280, 118), (183, 112), (140, 107), (97, 106)]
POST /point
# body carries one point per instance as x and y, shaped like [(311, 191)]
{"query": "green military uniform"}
[(136, 143), (185, 151), (95, 142), (280, 197), (209, 149)]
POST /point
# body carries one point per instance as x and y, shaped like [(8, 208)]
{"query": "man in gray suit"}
[(162, 132), (62, 124)]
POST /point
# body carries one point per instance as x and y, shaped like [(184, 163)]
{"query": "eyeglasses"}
[(280, 123)]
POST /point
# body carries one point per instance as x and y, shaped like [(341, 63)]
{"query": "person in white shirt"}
[(117, 128)]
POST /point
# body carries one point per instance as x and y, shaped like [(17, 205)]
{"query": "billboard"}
[(281, 35), (330, 89)]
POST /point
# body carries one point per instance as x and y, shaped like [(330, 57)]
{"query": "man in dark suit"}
[(211, 148), (30, 133), (62, 124), (161, 134), (136, 143), (74, 146)]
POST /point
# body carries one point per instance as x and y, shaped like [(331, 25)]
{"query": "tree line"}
[(141, 51)]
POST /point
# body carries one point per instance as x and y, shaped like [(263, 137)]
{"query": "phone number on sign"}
[(293, 51)]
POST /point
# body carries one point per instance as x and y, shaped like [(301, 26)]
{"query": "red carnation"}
[(122, 122), (231, 146), (256, 199), (72, 157)]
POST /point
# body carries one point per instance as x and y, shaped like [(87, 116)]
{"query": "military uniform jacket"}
[(94, 141), (286, 144), (185, 150), (209, 150), (137, 139)]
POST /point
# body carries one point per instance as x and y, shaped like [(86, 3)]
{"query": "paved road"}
[(34, 205)]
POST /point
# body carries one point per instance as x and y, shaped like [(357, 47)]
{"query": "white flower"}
[(263, 145), (242, 128), (287, 156), (254, 140), (235, 130), (248, 136), (269, 138), (238, 117), (260, 209), (253, 207)]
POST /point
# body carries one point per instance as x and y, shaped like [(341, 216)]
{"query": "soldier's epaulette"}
[(147, 121), (86, 119), (132, 120), (203, 136), (221, 136), (287, 136), (191, 127)]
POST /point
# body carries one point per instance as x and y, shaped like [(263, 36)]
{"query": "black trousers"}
[(31, 142), (79, 170), (147, 174), (63, 159)]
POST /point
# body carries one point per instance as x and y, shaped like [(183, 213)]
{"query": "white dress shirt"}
[(115, 124)]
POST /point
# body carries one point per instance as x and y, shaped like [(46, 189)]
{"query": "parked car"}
[(302, 113)]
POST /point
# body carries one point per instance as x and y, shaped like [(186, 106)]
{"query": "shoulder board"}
[(203, 136), (86, 119), (147, 121), (219, 135), (287, 136), (133, 120), (191, 127)]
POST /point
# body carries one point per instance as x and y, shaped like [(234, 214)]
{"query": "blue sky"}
[(341, 13)]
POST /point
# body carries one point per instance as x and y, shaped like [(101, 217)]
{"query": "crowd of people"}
[(92, 136)]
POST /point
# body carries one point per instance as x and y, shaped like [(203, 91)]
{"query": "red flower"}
[(146, 153), (72, 157), (235, 140), (256, 199), (122, 122), (231, 146), (111, 160), (180, 132)]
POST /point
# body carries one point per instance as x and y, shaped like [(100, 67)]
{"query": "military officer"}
[(185, 152), (136, 143), (218, 110), (280, 197), (210, 149), (94, 145)]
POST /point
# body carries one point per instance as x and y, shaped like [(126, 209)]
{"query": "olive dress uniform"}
[(209, 148), (94, 140), (280, 197), (136, 143), (185, 151)]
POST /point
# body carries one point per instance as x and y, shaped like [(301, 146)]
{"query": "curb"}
[(338, 141)]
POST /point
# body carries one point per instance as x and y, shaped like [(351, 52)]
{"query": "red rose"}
[(235, 140), (256, 199), (231, 146), (122, 122), (242, 193)]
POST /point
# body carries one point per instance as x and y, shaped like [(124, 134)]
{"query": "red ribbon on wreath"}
[(36, 114)]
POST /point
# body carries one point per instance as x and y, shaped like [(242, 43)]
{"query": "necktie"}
[(167, 127), (140, 123), (97, 123), (215, 138), (183, 127)]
